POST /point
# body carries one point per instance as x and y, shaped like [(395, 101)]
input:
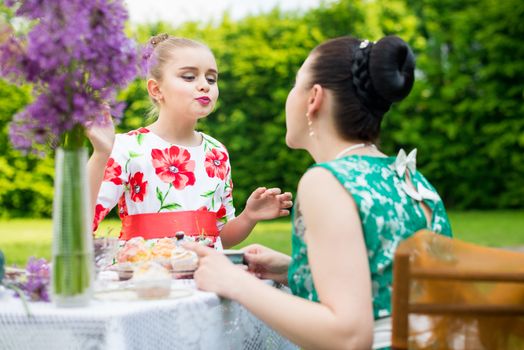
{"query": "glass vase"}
[(73, 263)]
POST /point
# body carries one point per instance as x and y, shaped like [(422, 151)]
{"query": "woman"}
[(353, 206)]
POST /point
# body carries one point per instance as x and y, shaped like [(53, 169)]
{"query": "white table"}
[(198, 321)]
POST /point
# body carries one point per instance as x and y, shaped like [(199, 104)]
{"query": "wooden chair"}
[(449, 294)]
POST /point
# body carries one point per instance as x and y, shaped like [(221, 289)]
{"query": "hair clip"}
[(363, 44)]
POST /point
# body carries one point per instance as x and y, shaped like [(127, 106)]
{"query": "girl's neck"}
[(180, 132)]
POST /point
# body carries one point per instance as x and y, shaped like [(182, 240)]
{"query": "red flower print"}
[(203, 208), (216, 164), (100, 213), (122, 206), (173, 165), (113, 172), (137, 187), (138, 131), (221, 212)]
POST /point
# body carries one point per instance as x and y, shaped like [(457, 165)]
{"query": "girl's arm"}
[(95, 172), (102, 138), (262, 204), (339, 265)]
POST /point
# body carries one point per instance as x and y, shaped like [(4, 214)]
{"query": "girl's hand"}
[(102, 136), (267, 263), (266, 204), (215, 272)]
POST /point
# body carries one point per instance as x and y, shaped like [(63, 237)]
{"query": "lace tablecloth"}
[(198, 321)]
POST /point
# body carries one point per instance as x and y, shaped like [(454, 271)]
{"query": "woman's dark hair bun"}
[(392, 68)]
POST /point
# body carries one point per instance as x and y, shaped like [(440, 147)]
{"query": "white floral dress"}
[(388, 215), (146, 174)]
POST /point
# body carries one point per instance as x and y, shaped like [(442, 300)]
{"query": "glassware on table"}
[(106, 249), (72, 249)]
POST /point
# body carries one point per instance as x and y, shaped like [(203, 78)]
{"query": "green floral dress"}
[(388, 214)]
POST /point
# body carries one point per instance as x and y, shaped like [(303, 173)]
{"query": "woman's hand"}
[(102, 136), (266, 263), (215, 272), (266, 204)]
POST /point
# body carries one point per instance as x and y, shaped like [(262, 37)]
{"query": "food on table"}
[(152, 281), (183, 263), (164, 251), (179, 235), (134, 250), (161, 251), (202, 240)]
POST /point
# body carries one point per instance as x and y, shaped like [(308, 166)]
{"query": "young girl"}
[(167, 177), (353, 206)]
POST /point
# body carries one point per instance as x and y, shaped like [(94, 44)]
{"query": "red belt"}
[(160, 225)]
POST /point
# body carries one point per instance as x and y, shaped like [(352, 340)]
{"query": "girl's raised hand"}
[(102, 136), (266, 204)]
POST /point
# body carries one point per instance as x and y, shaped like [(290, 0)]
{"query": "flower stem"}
[(74, 138), (72, 251)]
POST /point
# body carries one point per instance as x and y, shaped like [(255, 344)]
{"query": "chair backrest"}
[(449, 294)]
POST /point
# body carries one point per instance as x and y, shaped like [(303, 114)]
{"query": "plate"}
[(129, 294), (124, 273), (183, 275)]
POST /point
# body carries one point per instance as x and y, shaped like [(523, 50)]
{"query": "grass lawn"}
[(22, 238)]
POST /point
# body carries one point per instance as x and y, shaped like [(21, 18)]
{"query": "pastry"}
[(152, 281), (134, 250), (183, 262), (161, 251)]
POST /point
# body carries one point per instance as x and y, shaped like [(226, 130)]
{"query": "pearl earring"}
[(310, 126)]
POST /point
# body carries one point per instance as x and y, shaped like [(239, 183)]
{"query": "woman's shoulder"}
[(352, 167), (310, 180)]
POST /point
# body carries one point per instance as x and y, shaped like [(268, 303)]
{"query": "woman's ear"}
[(315, 99), (154, 90)]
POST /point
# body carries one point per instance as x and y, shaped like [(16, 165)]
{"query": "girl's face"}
[(297, 129), (189, 83)]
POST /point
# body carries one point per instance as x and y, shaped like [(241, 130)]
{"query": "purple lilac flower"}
[(36, 287), (76, 56), (146, 59)]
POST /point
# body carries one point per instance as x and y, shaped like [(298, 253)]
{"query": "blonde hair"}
[(162, 47)]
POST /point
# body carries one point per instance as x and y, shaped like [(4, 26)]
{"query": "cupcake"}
[(152, 281), (183, 262), (133, 251), (161, 251)]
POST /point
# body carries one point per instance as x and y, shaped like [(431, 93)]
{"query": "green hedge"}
[(465, 114)]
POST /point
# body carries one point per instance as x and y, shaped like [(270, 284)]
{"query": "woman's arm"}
[(267, 263), (338, 260)]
